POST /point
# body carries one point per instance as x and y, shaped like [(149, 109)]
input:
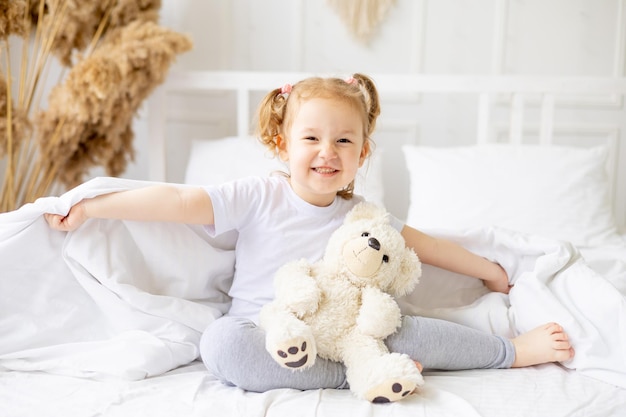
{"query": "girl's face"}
[(324, 148)]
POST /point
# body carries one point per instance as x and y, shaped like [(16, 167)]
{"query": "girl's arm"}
[(450, 256), (156, 203)]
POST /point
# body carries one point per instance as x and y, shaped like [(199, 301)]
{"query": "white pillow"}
[(555, 191), (214, 161)]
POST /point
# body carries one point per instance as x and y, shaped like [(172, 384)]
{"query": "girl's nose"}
[(328, 150)]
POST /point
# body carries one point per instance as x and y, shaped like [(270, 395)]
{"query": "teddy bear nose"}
[(373, 243)]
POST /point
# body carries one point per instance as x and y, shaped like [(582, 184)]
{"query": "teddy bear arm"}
[(296, 289), (379, 315)]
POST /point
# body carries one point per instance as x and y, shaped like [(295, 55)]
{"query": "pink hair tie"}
[(285, 90), (351, 80)]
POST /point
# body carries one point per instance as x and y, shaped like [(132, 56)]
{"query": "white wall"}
[(574, 37)]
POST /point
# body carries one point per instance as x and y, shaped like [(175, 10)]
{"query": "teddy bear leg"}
[(381, 377), (395, 387), (289, 340)]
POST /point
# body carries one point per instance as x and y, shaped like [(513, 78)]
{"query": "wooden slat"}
[(482, 134), (547, 120), (404, 83), (243, 112), (517, 119)]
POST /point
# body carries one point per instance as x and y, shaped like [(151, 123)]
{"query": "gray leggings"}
[(233, 350)]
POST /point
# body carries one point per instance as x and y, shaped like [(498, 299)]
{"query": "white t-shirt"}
[(275, 226)]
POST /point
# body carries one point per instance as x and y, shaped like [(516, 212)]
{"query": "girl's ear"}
[(365, 152), (281, 147)]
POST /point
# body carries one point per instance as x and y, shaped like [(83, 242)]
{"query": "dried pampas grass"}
[(124, 55), (12, 17), (83, 18)]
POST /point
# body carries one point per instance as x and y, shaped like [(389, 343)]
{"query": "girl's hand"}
[(72, 221), (500, 284)]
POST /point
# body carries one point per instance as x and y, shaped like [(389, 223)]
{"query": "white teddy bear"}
[(341, 307)]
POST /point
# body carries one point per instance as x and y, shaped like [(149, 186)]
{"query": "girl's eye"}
[(344, 140)]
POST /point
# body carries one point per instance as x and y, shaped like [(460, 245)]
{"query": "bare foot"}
[(546, 343)]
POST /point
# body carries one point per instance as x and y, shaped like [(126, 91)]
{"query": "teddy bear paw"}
[(296, 353), (391, 390)]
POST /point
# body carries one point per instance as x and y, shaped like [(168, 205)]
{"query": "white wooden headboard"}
[(435, 110)]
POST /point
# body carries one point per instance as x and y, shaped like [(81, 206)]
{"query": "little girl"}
[(321, 128)]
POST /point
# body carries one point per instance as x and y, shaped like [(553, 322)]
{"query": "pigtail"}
[(372, 102), (270, 115)]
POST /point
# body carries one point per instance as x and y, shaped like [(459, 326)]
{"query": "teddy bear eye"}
[(385, 258), (365, 234)]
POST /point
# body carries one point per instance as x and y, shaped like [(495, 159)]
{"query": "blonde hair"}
[(277, 109)]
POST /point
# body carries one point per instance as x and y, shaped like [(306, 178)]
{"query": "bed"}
[(528, 171)]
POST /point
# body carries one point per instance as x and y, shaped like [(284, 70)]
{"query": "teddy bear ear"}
[(366, 210), (408, 277)]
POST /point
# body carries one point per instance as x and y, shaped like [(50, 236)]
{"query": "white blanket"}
[(552, 283), (129, 299), (114, 298)]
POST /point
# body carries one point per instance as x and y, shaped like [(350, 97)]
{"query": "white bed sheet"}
[(545, 390), (189, 390)]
